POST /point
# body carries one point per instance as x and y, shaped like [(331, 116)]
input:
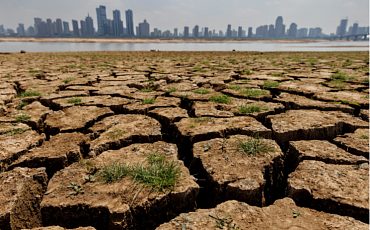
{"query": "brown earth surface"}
[(286, 132)]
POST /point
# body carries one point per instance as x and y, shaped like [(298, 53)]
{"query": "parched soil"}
[(184, 140)]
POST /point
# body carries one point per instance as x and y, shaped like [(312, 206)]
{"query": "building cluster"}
[(115, 27)]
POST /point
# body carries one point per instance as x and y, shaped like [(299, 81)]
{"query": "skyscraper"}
[(20, 29), (302, 33), (196, 31), (228, 31), (89, 26), (50, 29), (250, 32), (83, 28), (206, 35), (130, 23), (279, 29), (175, 33), (293, 30), (101, 19), (66, 28), (240, 33), (117, 23), (2, 29), (271, 32), (76, 32), (59, 26), (342, 27), (144, 29), (186, 32), (354, 28)]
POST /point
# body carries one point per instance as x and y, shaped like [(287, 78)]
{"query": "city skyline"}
[(213, 16)]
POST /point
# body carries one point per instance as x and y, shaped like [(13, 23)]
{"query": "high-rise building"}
[(130, 23), (83, 28), (175, 33), (76, 31), (228, 31), (117, 23), (250, 32), (302, 33), (293, 30), (186, 32), (50, 28), (66, 28), (102, 20), (37, 22), (196, 31), (59, 26), (279, 27), (89, 26), (354, 29), (341, 31), (144, 29), (20, 29), (2, 29), (271, 32), (240, 33), (30, 31), (206, 35)]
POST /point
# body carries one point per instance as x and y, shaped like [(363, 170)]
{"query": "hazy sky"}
[(214, 14)]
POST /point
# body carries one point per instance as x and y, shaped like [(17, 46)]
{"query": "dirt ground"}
[(184, 140)]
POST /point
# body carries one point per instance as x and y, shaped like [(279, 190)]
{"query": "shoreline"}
[(131, 40)]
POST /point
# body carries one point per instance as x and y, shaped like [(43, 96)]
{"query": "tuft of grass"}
[(14, 131), (148, 101), (8, 76), (253, 146), (268, 85), (235, 87), (277, 75), (249, 108), (247, 72), (364, 136), (147, 90), (21, 104), (113, 172), (201, 91), (202, 119), (223, 99), (338, 76), (171, 90), (33, 71), (116, 133), (29, 94), (23, 118), (68, 80), (253, 92), (74, 100)]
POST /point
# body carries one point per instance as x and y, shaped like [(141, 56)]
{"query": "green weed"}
[(253, 92), (74, 100), (148, 101), (250, 108), (268, 85), (223, 99), (23, 118), (147, 90), (68, 80), (29, 94), (116, 133), (253, 146)]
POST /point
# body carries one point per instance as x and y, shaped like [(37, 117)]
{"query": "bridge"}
[(348, 37)]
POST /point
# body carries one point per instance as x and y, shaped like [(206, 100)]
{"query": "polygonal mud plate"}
[(356, 143), (47, 100), (57, 153), (231, 172), (119, 204), (16, 141), (320, 151), (302, 88), (75, 119), (140, 107), (280, 215), (122, 130), (292, 101), (21, 191), (361, 99), (296, 125), (364, 114), (114, 103), (340, 189), (248, 94), (168, 116)]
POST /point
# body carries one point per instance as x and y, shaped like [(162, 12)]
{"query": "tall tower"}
[(250, 32), (83, 28), (240, 32), (186, 32), (102, 19), (59, 26), (76, 32), (66, 28), (89, 26), (117, 23), (50, 27), (130, 23), (228, 31), (342, 27), (196, 31), (206, 35), (354, 28), (279, 29)]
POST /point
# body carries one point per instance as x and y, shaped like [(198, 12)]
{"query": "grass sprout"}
[(223, 99), (249, 108), (253, 146)]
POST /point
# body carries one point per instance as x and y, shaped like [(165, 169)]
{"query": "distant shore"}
[(139, 40)]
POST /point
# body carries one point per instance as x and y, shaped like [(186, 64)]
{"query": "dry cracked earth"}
[(184, 140)]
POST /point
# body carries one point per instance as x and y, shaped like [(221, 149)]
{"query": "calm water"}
[(249, 46)]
